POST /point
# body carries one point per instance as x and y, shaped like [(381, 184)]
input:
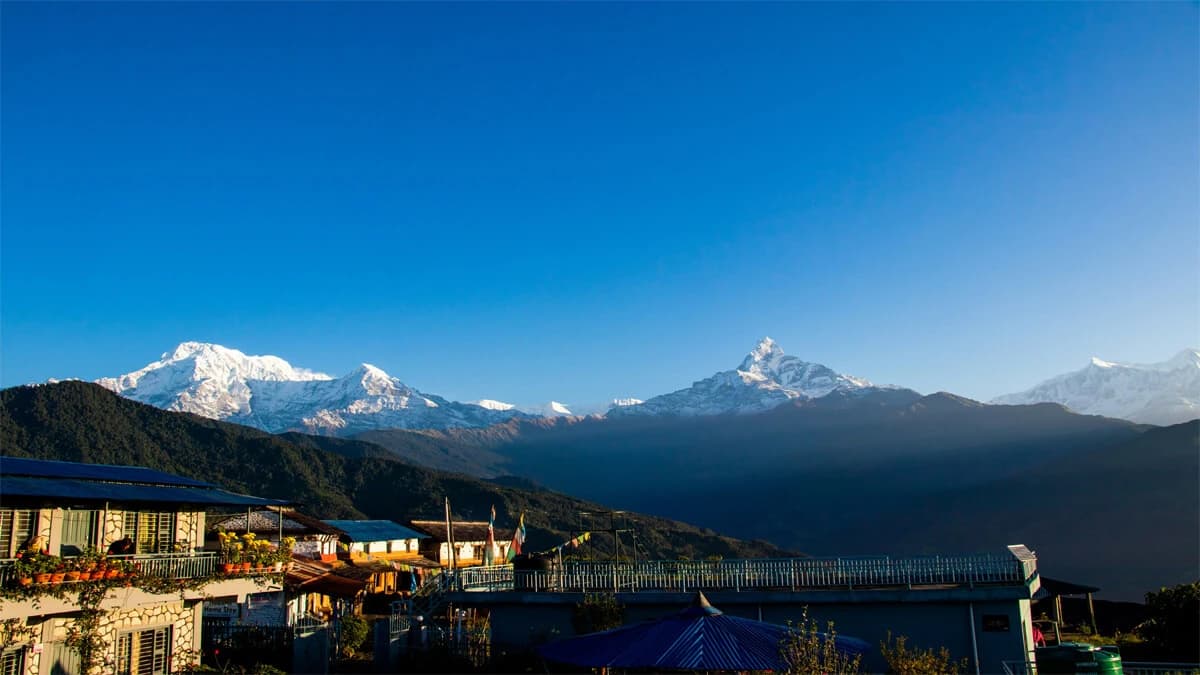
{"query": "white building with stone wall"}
[(73, 514)]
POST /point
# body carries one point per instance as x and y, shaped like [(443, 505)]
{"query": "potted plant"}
[(58, 572), (27, 565), (284, 554), (248, 548)]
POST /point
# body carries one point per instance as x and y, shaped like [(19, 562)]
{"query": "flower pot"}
[(244, 567), (112, 574), (85, 575), (42, 577), (25, 581), (277, 567), (228, 568), (260, 568), (71, 576), (57, 577)]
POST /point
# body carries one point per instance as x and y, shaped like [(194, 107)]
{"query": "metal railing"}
[(173, 565), (1127, 667), (163, 565), (1156, 668), (753, 574)]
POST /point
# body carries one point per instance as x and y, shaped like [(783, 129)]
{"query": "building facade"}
[(127, 540)]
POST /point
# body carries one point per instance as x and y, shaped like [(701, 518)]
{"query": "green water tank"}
[(1108, 662), (1077, 657)]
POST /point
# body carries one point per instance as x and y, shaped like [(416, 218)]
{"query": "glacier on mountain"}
[(766, 378), (1156, 393)]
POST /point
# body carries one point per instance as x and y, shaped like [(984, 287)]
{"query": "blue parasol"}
[(700, 637)]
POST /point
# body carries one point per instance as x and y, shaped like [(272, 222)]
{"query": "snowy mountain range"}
[(766, 378), (268, 393), (1157, 393)]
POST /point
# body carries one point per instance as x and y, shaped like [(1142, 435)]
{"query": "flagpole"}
[(449, 539)]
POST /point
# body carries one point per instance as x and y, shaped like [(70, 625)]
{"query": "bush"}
[(354, 633), (1174, 623), (597, 611), (805, 650), (904, 661)]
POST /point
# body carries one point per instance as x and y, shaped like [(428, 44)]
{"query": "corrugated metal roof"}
[(464, 530), (71, 490), (268, 521), (375, 530), (313, 576), (698, 638), (45, 468)]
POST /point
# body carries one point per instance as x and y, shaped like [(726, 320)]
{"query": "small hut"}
[(1055, 589)]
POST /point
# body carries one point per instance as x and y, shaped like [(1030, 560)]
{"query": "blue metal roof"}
[(698, 638), (71, 490), (45, 468), (375, 530)]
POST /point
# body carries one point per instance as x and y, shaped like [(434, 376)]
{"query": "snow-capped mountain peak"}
[(1167, 392), (766, 355), (766, 378), (269, 393), (548, 409), (493, 405)]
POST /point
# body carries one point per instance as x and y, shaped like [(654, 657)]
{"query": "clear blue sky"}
[(579, 201)]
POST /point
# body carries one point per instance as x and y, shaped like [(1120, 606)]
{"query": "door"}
[(63, 659)]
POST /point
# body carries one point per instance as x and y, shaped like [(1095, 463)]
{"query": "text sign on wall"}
[(995, 623)]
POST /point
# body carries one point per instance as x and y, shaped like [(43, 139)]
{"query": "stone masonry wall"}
[(180, 615)]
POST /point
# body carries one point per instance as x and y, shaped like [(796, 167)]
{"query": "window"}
[(144, 652), (151, 532), (79, 531), (16, 528), (12, 662)]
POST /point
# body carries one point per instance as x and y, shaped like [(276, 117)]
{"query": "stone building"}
[(145, 527)]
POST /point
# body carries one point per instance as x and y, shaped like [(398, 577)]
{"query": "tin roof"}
[(294, 522), (37, 479), (464, 530), (111, 473), (375, 530)]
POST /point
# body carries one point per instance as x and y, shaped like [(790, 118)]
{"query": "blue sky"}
[(580, 201)]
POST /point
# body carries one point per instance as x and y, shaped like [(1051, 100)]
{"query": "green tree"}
[(1174, 623), (903, 660), (806, 650)]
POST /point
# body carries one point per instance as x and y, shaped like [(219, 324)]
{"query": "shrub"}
[(597, 611), (905, 661), (354, 633), (807, 650)]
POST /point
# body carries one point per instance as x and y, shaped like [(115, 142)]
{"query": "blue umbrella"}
[(700, 637)]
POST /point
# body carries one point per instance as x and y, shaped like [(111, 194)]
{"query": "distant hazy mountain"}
[(1156, 393), (268, 393), (766, 378)]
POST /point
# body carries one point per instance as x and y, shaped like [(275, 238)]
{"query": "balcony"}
[(160, 565)]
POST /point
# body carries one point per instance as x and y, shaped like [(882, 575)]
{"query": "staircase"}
[(430, 598)]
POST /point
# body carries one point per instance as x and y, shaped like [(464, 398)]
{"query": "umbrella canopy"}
[(700, 637)]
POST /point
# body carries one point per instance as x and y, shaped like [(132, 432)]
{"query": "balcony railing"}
[(173, 565), (162, 565), (790, 574)]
